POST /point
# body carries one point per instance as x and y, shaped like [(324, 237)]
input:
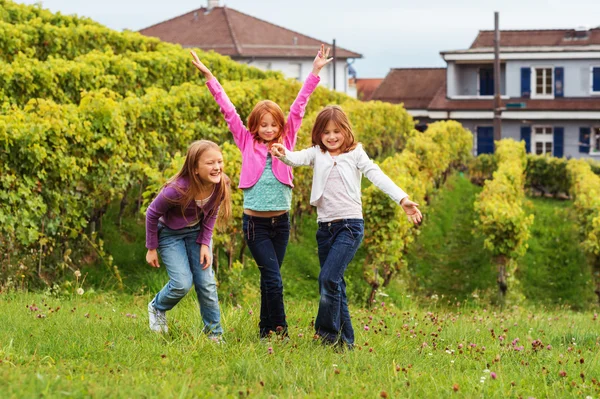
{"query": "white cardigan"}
[(350, 166)]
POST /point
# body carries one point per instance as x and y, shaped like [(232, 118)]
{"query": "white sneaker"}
[(217, 339), (157, 318)]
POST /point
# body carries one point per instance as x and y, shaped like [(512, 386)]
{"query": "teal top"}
[(268, 194)]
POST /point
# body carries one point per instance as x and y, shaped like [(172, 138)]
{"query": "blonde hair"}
[(336, 114), (222, 189)]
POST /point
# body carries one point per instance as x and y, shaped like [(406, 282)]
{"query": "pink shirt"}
[(254, 154)]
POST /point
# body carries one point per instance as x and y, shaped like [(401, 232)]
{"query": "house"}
[(549, 85), (365, 87), (413, 87), (253, 41)]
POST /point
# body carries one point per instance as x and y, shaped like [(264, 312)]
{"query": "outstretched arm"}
[(304, 157), (299, 106), (374, 173), (234, 122)]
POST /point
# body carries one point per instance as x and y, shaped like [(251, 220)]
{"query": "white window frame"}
[(592, 92), (542, 138), (533, 84), (594, 141)]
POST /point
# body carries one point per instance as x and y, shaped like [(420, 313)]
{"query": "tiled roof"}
[(415, 87), (538, 38), (230, 32), (366, 87)]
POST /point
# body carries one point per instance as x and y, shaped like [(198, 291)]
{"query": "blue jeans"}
[(338, 242), (180, 253), (267, 239)]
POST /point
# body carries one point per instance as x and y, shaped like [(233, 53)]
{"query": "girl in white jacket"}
[(338, 161)]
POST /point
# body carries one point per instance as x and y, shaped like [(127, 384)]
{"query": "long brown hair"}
[(336, 114), (222, 189), (261, 109)]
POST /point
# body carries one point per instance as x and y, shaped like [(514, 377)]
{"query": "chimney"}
[(212, 4)]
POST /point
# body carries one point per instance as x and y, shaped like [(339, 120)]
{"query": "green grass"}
[(99, 345), (554, 269), (447, 258)]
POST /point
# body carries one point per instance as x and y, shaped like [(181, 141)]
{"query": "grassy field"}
[(435, 336), (98, 345)]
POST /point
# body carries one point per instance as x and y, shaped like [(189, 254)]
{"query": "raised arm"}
[(299, 106), (304, 157), (234, 122)]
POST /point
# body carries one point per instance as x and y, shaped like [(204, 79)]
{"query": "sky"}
[(388, 33)]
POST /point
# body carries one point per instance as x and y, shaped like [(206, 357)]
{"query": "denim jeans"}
[(267, 239), (338, 242), (180, 253)]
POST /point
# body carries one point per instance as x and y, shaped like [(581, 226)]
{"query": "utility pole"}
[(333, 62), (497, 101)]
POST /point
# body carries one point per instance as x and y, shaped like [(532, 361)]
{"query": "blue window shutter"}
[(596, 79), (526, 137), (526, 82), (559, 82), (584, 139), (559, 141)]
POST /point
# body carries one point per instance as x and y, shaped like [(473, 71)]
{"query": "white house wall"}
[(299, 69), (512, 129), (576, 76)]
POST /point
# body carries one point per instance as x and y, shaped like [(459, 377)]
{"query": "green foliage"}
[(417, 170), (547, 174), (482, 168), (554, 270), (447, 259), (501, 217)]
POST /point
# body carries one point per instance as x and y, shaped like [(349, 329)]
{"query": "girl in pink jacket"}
[(267, 184)]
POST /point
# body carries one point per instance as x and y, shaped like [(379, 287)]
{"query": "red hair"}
[(261, 109)]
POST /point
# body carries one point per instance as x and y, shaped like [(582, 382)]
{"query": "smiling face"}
[(268, 129), (266, 122), (209, 167), (333, 138)]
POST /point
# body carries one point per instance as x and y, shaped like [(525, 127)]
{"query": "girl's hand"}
[(277, 150), (152, 258), (205, 256), (321, 60), (200, 66), (412, 212)]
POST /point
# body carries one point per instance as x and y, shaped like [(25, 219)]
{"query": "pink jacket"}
[(254, 154)]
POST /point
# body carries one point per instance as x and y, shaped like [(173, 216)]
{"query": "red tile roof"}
[(366, 87), (415, 87), (534, 38), (230, 32)]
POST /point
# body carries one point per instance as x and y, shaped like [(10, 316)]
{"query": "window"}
[(295, 71), (542, 140), (595, 141), (543, 82), (486, 81), (595, 80)]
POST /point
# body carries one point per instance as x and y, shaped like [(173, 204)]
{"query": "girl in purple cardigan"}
[(267, 184), (179, 226)]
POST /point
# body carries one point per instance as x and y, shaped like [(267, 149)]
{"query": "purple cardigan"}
[(254, 154), (169, 213)]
